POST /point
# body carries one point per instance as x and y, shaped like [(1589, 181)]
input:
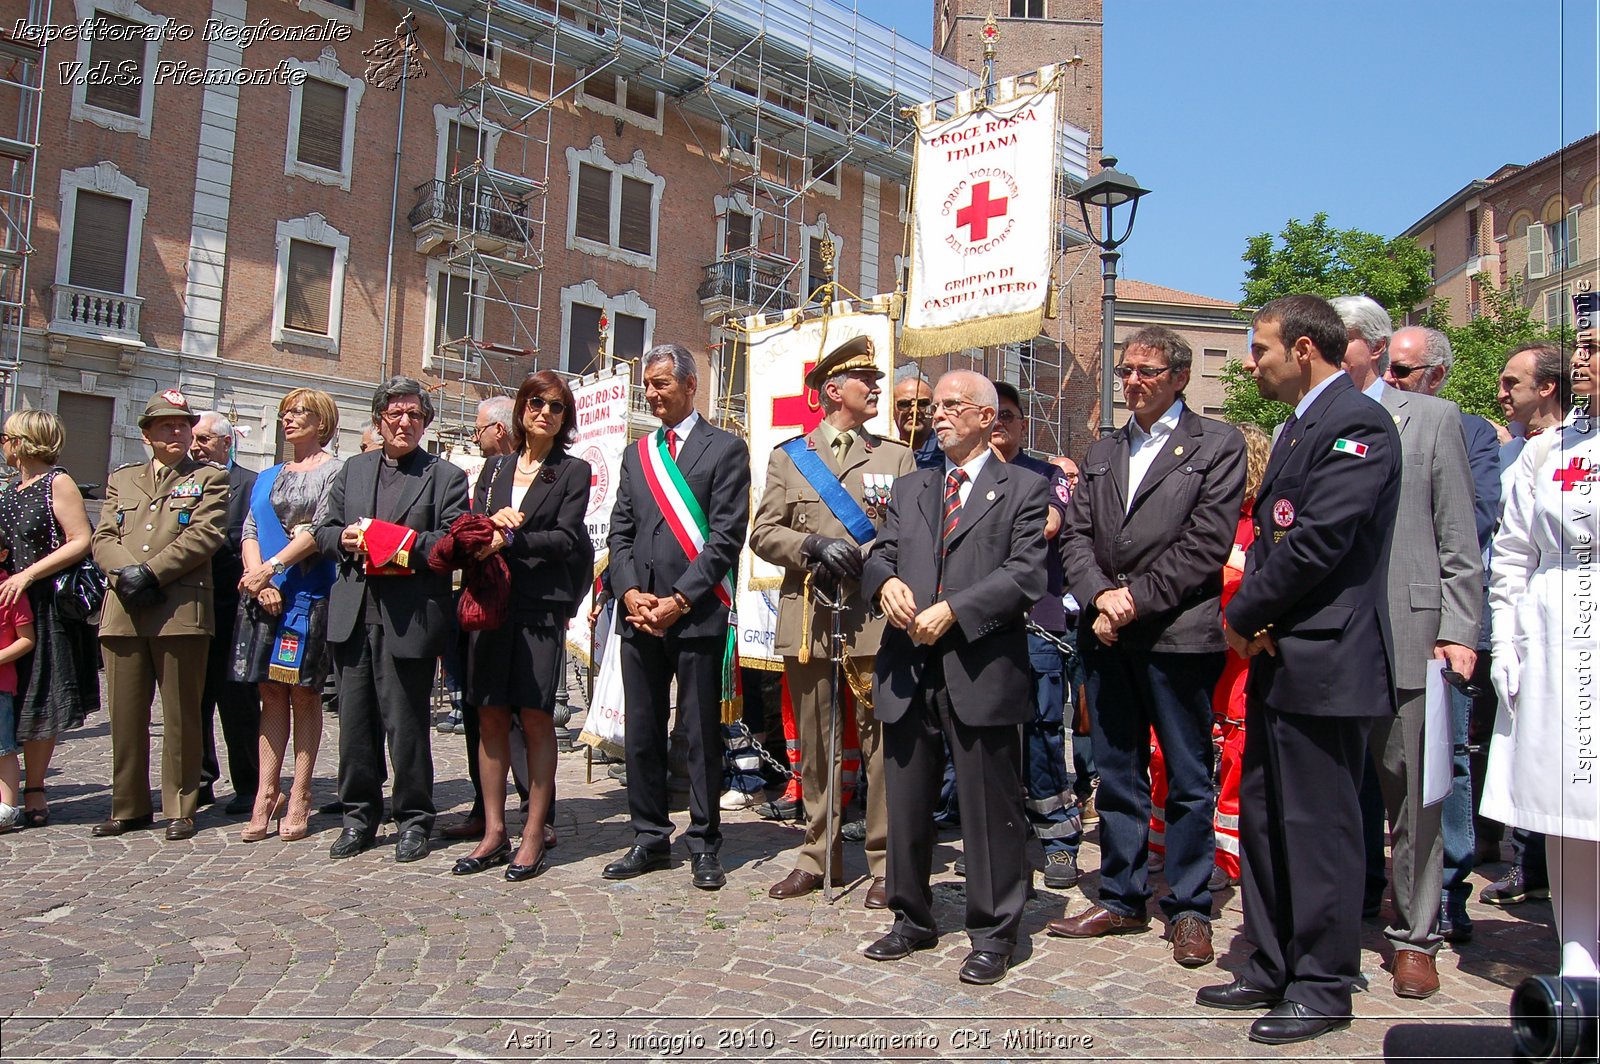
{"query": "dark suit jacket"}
[(1169, 547), (227, 565), (646, 555), (1318, 572), (416, 609), (1483, 455), (993, 574), (550, 556)]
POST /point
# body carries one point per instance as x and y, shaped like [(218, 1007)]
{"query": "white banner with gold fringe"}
[(779, 407), (602, 409), (983, 220)]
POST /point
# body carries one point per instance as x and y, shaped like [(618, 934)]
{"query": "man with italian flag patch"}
[(683, 504), (1350, 447)]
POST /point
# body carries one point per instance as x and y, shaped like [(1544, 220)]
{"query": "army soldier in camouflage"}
[(161, 523), (826, 495)]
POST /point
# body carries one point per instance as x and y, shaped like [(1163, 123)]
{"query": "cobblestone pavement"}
[(136, 948)]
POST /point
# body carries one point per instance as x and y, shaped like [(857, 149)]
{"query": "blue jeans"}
[(1050, 808), (1130, 692), (1083, 770), (1455, 822)]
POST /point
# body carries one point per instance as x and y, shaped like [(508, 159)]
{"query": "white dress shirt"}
[(1144, 447), (973, 467)]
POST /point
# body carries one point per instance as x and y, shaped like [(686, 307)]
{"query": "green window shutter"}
[(1536, 267)]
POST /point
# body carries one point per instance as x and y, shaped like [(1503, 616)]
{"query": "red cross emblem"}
[(977, 213), (1578, 471), (803, 411)]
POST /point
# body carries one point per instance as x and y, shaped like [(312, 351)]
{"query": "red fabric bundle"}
[(485, 582)]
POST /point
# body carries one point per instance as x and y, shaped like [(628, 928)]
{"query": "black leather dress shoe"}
[(1236, 996), (411, 846), (240, 804), (351, 842), (180, 829), (983, 967), (111, 828), (1290, 1021), (894, 946), (468, 866), (207, 796), (636, 862), (707, 871)]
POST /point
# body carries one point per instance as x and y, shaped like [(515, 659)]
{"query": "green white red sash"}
[(678, 504)]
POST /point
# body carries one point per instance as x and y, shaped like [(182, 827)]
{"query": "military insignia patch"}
[(1283, 513)]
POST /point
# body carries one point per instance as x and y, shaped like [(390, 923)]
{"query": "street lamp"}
[(1108, 190)]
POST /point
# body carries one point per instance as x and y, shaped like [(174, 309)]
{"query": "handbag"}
[(78, 589)]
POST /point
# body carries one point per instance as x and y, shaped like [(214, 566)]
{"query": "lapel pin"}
[(989, 497), (1177, 452)]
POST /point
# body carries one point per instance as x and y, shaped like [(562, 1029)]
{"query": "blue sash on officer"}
[(832, 493)]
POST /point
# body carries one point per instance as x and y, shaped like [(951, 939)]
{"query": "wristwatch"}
[(278, 568)]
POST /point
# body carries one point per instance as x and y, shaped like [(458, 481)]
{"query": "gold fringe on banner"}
[(981, 332), (280, 674), (766, 583)]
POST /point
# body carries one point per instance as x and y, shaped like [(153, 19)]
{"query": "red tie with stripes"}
[(952, 515)]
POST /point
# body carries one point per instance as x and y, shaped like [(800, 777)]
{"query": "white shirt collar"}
[(1162, 426), (686, 426), (973, 466), (1375, 390), (1305, 404)]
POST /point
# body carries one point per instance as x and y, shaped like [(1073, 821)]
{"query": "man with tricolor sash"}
[(826, 495), (683, 504)]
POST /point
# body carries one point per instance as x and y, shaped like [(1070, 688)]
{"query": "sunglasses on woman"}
[(537, 405)]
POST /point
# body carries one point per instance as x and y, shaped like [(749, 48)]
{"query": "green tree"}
[(1315, 257)]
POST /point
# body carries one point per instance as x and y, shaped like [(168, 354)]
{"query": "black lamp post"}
[(1108, 190)]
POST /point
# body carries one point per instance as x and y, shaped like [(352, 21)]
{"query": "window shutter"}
[(641, 100), (100, 242), (594, 204), (1573, 255), (634, 231), (816, 276), (602, 86), (309, 287), (453, 313), (126, 45), (739, 228), (1536, 266), (583, 339), (627, 336), (321, 125), (86, 454), (467, 145)]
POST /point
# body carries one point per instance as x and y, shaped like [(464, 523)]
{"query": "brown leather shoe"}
[(469, 828), (1415, 974), (1095, 921), (108, 829), (1191, 941), (878, 894), (796, 884), (183, 828)]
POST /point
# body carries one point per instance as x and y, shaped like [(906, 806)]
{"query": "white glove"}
[(1506, 674)]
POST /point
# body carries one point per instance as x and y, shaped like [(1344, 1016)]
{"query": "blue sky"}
[(1242, 114)]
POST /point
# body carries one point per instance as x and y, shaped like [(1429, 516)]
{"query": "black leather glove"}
[(137, 586), (841, 558)]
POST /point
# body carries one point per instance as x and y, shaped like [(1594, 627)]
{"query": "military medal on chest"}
[(875, 493)]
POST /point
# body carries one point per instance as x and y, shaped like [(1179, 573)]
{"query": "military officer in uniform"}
[(161, 523), (826, 495)]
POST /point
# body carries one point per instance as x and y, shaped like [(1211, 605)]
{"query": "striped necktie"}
[(952, 515)]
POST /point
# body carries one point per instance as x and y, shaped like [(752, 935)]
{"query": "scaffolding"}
[(22, 66), (797, 90)]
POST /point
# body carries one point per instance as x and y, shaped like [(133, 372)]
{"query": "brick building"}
[(1534, 226), (1212, 327)]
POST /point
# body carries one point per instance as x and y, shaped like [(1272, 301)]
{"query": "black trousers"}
[(239, 707), (987, 761), (1300, 837), (383, 699), (649, 664)]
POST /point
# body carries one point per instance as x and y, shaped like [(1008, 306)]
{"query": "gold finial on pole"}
[(828, 250), (603, 356)]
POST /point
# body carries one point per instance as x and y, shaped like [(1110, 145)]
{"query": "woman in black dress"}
[(538, 498), (42, 521)]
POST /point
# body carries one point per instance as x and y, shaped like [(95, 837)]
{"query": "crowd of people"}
[(999, 630)]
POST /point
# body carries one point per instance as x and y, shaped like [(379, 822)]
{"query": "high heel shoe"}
[(251, 832), (516, 873), (296, 827)]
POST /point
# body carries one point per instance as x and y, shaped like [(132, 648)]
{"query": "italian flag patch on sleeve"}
[(1350, 447)]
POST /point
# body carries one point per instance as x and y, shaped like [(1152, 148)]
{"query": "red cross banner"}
[(780, 407), (983, 205), (602, 408)]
